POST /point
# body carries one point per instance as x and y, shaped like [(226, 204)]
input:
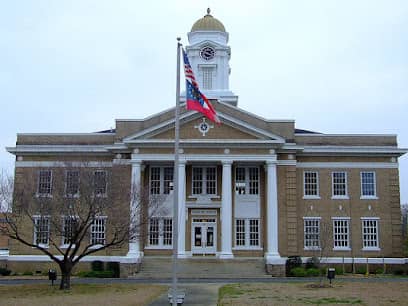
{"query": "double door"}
[(204, 236)]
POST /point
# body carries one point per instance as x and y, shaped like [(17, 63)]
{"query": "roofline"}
[(345, 135), (66, 134)]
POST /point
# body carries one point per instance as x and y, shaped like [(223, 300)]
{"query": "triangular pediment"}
[(193, 126)]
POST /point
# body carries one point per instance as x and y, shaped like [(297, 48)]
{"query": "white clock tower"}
[(209, 57)]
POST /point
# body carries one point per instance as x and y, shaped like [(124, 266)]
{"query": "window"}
[(341, 234), (368, 188), (370, 233), (339, 182), (247, 180), (98, 229), (160, 232), (204, 180), (45, 183), (72, 183), (100, 182), (312, 233), (207, 77), (68, 229), (247, 233), (311, 184), (41, 230), (161, 180)]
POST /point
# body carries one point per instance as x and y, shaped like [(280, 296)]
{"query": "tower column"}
[(135, 210), (226, 211), (181, 251), (272, 212)]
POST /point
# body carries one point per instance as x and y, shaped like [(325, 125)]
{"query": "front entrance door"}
[(203, 236)]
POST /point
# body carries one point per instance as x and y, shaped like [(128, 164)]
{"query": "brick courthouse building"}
[(250, 187)]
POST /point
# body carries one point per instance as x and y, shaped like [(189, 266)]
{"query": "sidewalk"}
[(196, 294)]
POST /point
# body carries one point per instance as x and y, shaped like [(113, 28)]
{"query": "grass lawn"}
[(346, 293), (80, 294)]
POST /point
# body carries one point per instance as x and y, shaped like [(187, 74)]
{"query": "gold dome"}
[(208, 23)]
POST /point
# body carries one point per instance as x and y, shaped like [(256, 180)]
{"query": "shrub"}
[(361, 270), (113, 266), (312, 262), (97, 265), (312, 272), (398, 271), (379, 271), (339, 270), (26, 273), (96, 274), (298, 272), (291, 263), (5, 271)]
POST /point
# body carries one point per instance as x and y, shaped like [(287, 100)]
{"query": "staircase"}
[(155, 267)]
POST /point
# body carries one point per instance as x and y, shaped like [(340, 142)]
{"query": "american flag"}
[(188, 71)]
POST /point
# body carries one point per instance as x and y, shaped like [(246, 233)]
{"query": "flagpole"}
[(176, 176)]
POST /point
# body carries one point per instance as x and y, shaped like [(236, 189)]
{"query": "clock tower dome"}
[(209, 56)]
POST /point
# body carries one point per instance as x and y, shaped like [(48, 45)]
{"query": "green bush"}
[(379, 271), (291, 263), (339, 270), (399, 272), (312, 262), (298, 272), (97, 265), (361, 270), (5, 271), (113, 266), (96, 274), (26, 273), (312, 272)]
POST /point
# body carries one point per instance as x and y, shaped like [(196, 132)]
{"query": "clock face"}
[(207, 53)]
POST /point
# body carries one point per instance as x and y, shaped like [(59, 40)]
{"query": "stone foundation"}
[(275, 270)]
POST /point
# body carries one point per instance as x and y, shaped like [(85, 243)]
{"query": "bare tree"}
[(321, 252), (71, 212), (6, 191)]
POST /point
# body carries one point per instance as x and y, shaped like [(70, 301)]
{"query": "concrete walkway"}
[(196, 294)]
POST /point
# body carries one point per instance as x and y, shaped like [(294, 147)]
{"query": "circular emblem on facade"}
[(207, 53), (203, 127)]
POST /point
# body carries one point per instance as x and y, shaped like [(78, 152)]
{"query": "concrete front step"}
[(161, 267)]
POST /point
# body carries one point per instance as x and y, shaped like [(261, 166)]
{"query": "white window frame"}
[(341, 248), (36, 218), (162, 180), (247, 234), (49, 193), (64, 220), (377, 234), (311, 196), (345, 196), (245, 185), (105, 194), (71, 195), (368, 197), (204, 181), (161, 233), (305, 239), (94, 230), (207, 73)]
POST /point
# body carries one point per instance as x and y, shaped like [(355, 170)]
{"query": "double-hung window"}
[(247, 180), (161, 180), (42, 230), (100, 183), (44, 183), (311, 185), (341, 233), (339, 185), (69, 228), (370, 233), (311, 233), (72, 183), (368, 185), (160, 232), (204, 181), (98, 231), (247, 233)]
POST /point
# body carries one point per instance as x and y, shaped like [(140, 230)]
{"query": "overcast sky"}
[(77, 65)]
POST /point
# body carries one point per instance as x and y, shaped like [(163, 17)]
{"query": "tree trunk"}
[(66, 269)]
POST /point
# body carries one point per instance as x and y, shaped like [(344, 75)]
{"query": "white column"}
[(135, 209), (181, 252), (226, 211), (272, 212)]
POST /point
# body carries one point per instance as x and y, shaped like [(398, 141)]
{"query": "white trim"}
[(344, 196), (311, 218), (21, 149), (366, 197), (45, 258), (66, 134), (371, 249), (345, 135), (340, 218), (369, 218), (354, 149), (377, 233), (314, 196), (286, 163), (367, 165), (361, 260), (54, 164), (205, 157)]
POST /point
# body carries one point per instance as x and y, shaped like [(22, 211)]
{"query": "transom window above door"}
[(247, 180), (204, 181)]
